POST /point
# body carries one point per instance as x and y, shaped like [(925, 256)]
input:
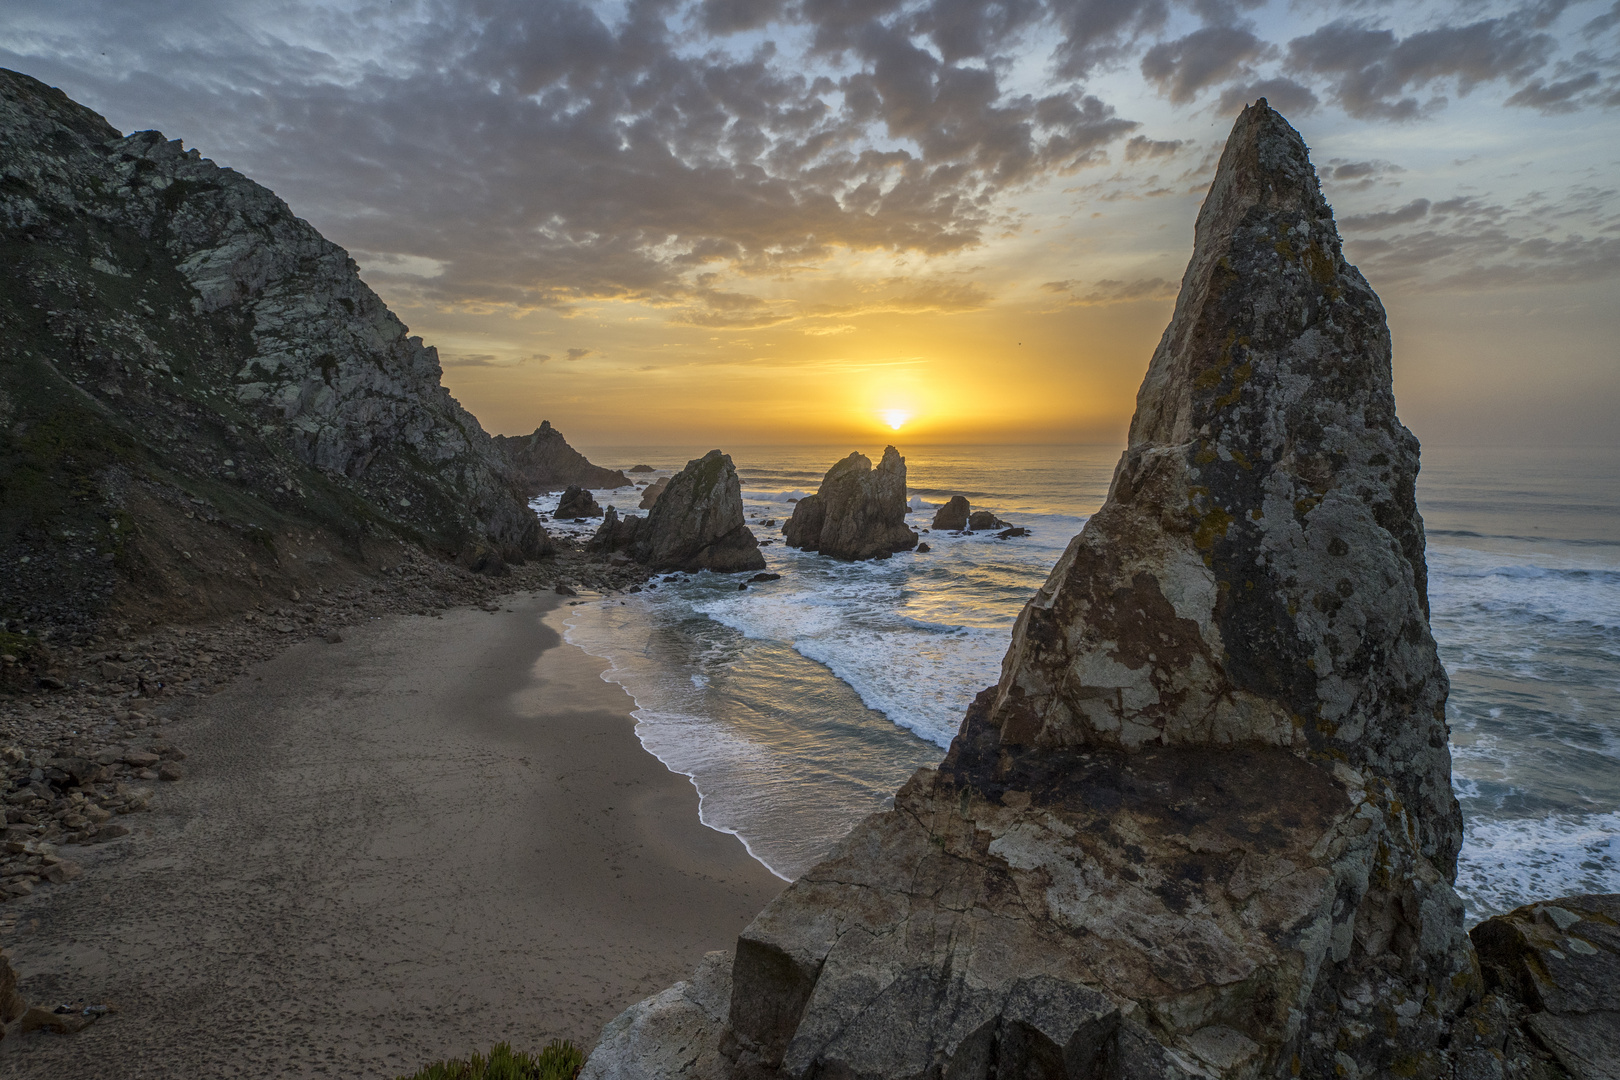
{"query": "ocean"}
[(798, 706)]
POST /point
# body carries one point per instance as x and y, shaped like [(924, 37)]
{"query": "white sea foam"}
[(1507, 862)]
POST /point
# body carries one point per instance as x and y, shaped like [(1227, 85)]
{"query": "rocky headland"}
[(1203, 825), (201, 403), (858, 512), (544, 462), (696, 523)]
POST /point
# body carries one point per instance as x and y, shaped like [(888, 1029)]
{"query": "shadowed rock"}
[(984, 520), (544, 461), (1203, 824), (696, 524), (953, 516), (649, 498), (858, 513), (576, 502)]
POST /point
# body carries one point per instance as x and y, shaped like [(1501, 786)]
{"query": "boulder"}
[(984, 520), (640, 469), (576, 502), (1203, 824), (649, 497), (953, 516), (858, 513), (544, 461), (1557, 966)]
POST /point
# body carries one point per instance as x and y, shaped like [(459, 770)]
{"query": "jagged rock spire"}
[(1256, 576)]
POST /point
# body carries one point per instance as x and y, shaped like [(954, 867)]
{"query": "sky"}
[(809, 221)]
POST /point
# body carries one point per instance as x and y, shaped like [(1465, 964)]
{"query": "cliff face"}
[(1202, 827), (186, 368), (858, 512), (544, 461)]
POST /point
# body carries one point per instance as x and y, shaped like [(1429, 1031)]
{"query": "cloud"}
[(487, 360), (1370, 70), (1111, 291), (1415, 210), (579, 354), (1203, 58), (1142, 148), (1558, 97), (1281, 93)]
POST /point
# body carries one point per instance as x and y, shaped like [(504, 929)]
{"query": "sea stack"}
[(858, 513), (1203, 826), (696, 524)]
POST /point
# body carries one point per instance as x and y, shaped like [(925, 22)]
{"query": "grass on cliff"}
[(561, 1060)]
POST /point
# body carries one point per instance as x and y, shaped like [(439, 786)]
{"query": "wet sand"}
[(437, 834)]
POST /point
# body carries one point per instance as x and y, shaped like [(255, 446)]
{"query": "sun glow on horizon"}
[(895, 418)]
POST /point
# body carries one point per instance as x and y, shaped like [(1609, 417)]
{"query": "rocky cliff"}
[(696, 524), (858, 512), (544, 461), (1203, 826), (199, 397)]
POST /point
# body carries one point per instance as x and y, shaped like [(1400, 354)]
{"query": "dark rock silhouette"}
[(696, 524), (576, 502), (984, 521), (953, 516), (1203, 825), (640, 469), (858, 513), (544, 462)]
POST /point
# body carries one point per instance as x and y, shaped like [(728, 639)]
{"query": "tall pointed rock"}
[(1202, 827)]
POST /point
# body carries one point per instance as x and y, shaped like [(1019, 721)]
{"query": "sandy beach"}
[(434, 835)]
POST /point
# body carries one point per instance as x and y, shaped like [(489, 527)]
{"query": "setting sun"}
[(895, 417)]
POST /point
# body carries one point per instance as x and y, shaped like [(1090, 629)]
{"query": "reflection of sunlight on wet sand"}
[(896, 417)]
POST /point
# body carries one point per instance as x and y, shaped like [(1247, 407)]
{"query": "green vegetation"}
[(561, 1060)]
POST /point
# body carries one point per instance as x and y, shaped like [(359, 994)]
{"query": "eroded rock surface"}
[(695, 524), (649, 497), (544, 461), (1203, 825), (1557, 965), (858, 513)]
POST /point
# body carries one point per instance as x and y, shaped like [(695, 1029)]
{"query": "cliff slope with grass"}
[(200, 400)]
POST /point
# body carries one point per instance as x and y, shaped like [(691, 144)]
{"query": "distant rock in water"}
[(697, 523), (1203, 825), (189, 369), (984, 520), (953, 516), (641, 468), (544, 462), (649, 497), (858, 513), (576, 502)]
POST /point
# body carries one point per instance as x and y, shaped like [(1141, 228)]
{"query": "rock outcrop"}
[(858, 513), (696, 524), (984, 521), (576, 502), (649, 497), (953, 516), (1203, 825), (1555, 966), (544, 462), (191, 377)]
